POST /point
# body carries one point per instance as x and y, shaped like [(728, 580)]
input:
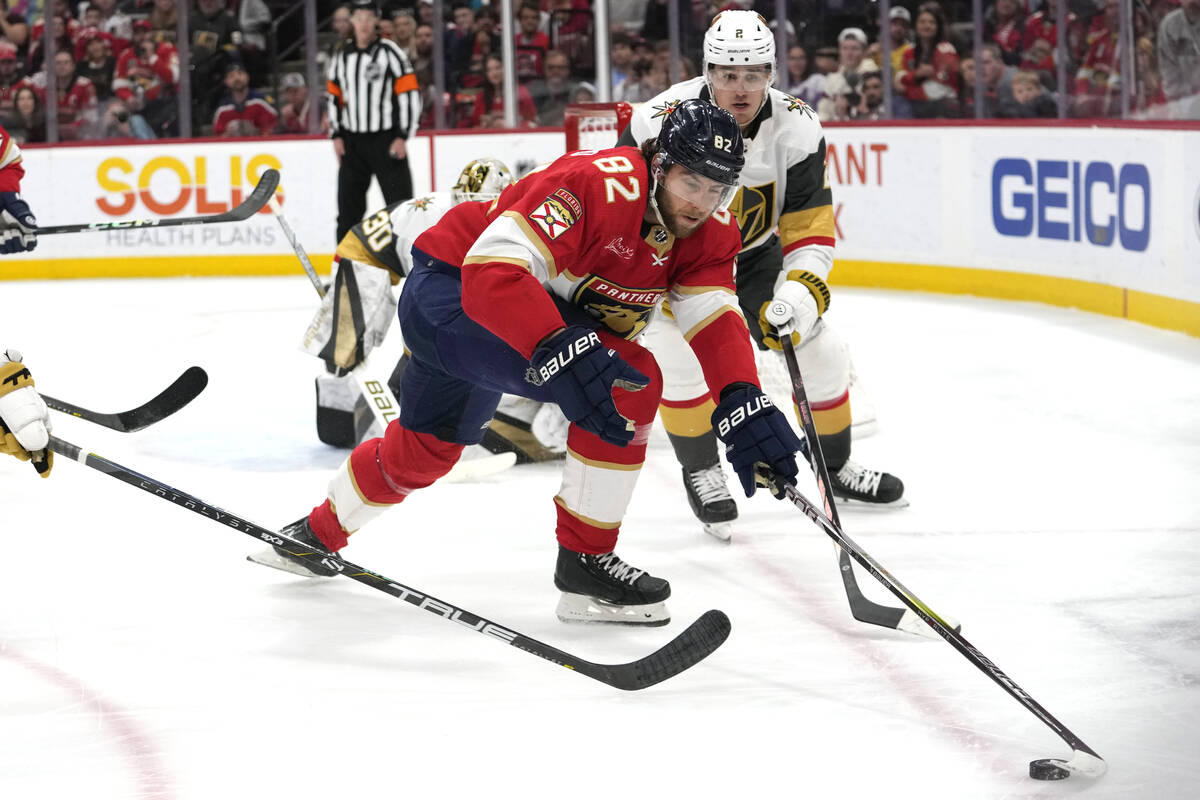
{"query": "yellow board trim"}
[(1159, 311), (158, 266), (1114, 301)]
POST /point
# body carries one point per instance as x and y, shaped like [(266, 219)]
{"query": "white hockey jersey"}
[(385, 238), (373, 256), (784, 185)]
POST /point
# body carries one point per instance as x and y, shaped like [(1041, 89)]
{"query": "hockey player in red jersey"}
[(541, 293), (784, 208), (18, 226)]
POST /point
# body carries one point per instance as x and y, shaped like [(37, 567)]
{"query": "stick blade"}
[(186, 388), (1087, 764), (689, 648)]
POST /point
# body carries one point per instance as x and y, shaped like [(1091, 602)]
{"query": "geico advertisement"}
[(1074, 203), (887, 203), (109, 186)]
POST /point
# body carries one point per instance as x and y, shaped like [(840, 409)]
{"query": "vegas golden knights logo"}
[(754, 208)]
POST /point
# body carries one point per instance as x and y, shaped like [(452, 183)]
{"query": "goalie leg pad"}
[(336, 402)]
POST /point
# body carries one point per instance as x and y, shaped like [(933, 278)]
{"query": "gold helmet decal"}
[(482, 179)]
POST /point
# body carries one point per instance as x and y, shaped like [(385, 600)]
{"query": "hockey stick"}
[(263, 191), (184, 390), (700, 639), (861, 608), (1084, 760), (378, 394)]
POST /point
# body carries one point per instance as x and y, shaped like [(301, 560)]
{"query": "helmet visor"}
[(698, 190), (740, 78)]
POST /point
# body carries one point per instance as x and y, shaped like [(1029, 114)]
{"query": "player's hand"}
[(793, 307), (581, 373), (754, 432), (24, 419), (339, 148), (398, 148), (19, 231)]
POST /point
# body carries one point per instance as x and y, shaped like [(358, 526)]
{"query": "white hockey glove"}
[(798, 303), (18, 226), (24, 419), (346, 344)]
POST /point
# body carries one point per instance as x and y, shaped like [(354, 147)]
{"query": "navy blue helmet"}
[(704, 138)]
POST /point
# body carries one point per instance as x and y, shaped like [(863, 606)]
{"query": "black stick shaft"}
[(861, 608), (258, 198), (956, 639), (700, 639)]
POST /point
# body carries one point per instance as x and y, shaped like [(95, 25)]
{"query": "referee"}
[(374, 103)]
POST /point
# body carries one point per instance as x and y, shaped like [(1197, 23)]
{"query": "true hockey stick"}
[(184, 390), (700, 639), (263, 191), (1084, 759), (861, 608), (378, 394)]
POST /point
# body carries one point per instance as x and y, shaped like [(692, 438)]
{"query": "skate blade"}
[(269, 558), (721, 531), (581, 608)]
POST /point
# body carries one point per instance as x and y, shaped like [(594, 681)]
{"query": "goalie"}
[(357, 312)]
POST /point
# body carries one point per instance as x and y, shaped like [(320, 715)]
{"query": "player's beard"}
[(676, 222)]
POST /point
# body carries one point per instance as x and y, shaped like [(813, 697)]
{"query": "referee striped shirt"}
[(373, 90)]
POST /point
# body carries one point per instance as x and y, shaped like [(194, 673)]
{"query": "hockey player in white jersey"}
[(785, 211), (357, 312)]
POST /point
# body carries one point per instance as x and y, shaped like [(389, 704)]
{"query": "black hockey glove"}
[(18, 226), (754, 431), (581, 373)]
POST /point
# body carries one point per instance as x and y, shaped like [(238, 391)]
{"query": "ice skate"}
[(708, 495), (604, 588), (283, 559), (855, 482)]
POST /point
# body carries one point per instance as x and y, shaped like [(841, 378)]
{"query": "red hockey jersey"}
[(576, 229)]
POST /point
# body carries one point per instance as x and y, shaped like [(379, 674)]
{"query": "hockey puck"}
[(1044, 769)]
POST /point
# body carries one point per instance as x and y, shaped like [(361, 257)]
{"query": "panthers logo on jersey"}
[(623, 311), (754, 209), (422, 203)]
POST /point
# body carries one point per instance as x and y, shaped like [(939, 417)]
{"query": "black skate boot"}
[(605, 589), (856, 482), (285, 556), (708, 495)]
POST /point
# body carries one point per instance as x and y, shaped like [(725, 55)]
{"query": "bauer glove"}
[(580, 373), (754, 432), (19, 231)]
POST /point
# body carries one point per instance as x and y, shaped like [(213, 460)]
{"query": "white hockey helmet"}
[(482, 179), (739, 39)]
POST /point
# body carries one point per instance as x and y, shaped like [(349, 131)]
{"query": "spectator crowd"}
[(116, 67)]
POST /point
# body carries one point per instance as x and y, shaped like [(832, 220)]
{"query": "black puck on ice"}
[(1044, 769)]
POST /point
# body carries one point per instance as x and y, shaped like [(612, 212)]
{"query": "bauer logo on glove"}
[(742, 413)]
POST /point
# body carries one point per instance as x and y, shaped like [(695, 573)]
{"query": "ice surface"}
[(1051, 458)]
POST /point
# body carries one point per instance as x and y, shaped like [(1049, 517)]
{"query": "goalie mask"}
[(482, 179), (739, 53)]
